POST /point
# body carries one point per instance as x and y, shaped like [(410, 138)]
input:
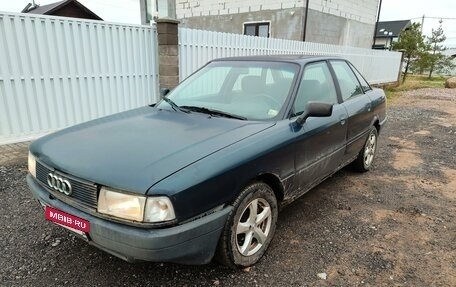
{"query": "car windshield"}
[(251, 90)]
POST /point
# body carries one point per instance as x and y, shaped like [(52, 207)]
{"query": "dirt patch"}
[(392, 226), (406, 155), (449, 188)]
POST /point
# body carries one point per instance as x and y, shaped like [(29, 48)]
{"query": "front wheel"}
[(250, 226), (366, 156)]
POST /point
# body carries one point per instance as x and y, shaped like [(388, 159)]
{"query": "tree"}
[(422, 62), (411, 43), (445, 65), (434, 43)]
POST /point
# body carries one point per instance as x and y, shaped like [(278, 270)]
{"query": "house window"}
[(260, 29)]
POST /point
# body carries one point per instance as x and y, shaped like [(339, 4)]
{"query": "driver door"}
[(319, 142)]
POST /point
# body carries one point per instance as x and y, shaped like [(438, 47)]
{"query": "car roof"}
[(301, 59)]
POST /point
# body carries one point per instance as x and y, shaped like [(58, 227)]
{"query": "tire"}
[(366, 156), (245, 237)]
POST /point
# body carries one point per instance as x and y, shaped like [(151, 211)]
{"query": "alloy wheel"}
[(253, 227), (369, 150)]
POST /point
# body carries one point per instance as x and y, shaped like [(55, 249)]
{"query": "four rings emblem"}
[(58, 183)]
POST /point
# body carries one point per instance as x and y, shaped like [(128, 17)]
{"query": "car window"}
[(255, 71), (349, 85), (209, 83), (364, 84), (316, 85), (256, 90)]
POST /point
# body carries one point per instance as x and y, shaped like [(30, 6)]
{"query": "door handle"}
[(342, 120)]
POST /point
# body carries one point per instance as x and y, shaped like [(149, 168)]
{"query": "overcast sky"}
[(408, 9), (127, 11)]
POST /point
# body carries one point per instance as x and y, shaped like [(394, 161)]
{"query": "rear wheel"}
[(250, 226), (366, 156)]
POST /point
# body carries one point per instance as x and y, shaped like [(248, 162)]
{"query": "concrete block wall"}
[(364, 11), (339, 22), (336, 30), (285, 23), (195, 8)]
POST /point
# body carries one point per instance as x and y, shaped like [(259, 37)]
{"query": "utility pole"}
[(422, 23), (305, 22), (143, 9)]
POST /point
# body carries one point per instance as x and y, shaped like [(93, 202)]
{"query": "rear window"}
[(364, 84), (348, 82)]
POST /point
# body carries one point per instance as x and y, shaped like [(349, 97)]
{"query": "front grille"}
[(84, 192)]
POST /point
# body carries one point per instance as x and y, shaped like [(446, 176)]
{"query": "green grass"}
[(413, 82)]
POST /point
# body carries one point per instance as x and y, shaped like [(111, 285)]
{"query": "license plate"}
[(71, 222)]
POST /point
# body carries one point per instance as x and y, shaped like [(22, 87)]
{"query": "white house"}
[(388, 32)]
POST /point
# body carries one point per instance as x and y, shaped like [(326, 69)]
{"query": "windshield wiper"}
[(213, 112), (174, 106)]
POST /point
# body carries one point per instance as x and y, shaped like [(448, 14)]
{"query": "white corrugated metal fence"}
[(56, 72), (197, 47)]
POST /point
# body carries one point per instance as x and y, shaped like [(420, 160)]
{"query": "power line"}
[(431, 17)]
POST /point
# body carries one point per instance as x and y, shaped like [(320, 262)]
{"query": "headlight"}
[(32, 164), (121, 204), (135, 207)]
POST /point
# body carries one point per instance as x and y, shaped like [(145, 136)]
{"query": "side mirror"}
[(164, 92), (315, 109)]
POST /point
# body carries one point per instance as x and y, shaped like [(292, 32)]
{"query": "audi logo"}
[(59, 184)]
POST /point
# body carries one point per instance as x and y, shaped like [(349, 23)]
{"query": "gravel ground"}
[(393, 226)]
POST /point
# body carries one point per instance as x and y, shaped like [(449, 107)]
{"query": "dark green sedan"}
[(203, 172)]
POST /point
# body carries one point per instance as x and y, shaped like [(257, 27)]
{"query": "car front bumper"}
[(190, 243)]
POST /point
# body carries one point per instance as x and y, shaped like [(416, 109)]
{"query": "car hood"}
[(134, 150)]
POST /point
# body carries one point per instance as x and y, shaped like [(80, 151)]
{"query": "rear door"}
[(357, 104), (320, 142)]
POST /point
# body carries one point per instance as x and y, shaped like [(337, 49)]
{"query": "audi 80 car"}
[(203, 172)]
